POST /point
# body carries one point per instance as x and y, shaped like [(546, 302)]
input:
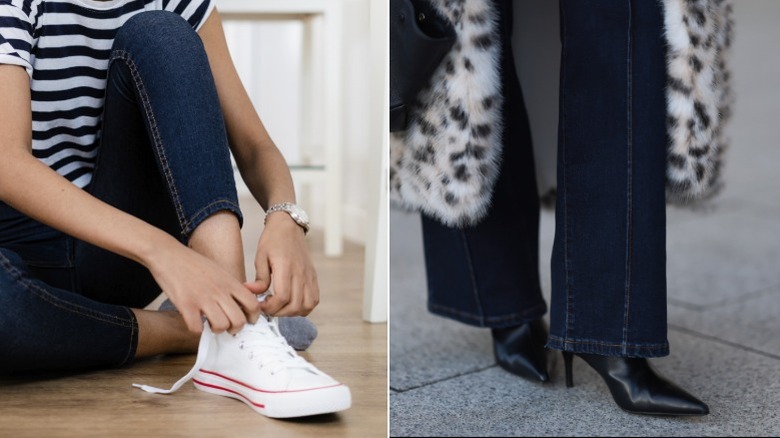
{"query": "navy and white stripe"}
[(64, 45)]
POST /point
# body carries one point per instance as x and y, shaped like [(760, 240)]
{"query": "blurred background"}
[(270, 52), (316, 71)]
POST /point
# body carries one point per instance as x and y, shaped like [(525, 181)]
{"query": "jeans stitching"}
[(156, 137), (482, 320), (193, 218), (635, 346), (44, 295), (472, 276), (629, 171), (568, 329), (133, 328)]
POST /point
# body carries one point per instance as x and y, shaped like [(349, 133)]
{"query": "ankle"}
[(163, 332)]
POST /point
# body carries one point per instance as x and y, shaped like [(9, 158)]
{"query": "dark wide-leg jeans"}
[(163, 157), (488, 274), (609, 257)]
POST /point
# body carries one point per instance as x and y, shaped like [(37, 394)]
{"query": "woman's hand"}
[(197, 285), (283, 257), (282, 254)]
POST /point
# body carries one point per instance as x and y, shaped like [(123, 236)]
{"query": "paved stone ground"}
[(724, 300)]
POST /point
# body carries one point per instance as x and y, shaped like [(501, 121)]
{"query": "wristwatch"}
[(296, 213)]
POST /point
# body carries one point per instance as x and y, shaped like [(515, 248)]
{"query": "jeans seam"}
[(193, 218), (609, 344), (481, 319), (629, 171), (156, 137), (472, 276), (569, 322), (44, 295), (133, 329)]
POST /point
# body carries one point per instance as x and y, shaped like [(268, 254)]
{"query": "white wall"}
[(357, 139), (268, 57)]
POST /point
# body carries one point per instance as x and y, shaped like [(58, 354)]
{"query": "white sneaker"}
[(258, 367)]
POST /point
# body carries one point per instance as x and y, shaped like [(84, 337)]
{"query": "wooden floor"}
[(104, 404)]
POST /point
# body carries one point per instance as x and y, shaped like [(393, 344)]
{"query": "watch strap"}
[(289, 208)]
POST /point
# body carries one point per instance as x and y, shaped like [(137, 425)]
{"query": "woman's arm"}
[(195, 284), (282, 251)]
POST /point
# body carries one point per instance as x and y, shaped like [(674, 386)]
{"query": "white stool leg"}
[(376, 264)]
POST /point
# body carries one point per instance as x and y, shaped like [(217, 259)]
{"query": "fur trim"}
[(699, 34), (447, 161)]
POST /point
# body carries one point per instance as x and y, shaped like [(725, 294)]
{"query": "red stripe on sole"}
[(231, 391), (264, 391)]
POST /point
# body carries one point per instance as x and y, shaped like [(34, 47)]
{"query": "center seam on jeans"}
[(156, 137), (568, 324), (473, 276), (629, 170), (43, 294)]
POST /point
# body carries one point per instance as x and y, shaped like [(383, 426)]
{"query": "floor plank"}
[(102, 403)]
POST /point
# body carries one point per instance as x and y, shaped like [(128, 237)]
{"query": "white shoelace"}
[(267, 349), (203, 350)]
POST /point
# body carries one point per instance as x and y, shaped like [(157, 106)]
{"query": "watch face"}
[(297, 213)]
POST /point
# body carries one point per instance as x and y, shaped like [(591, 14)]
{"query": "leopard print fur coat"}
[(446, 162)]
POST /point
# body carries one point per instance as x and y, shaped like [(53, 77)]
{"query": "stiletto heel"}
[(637, 388), (567, 361)]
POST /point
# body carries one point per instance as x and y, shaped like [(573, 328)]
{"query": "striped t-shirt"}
[(64, 45)]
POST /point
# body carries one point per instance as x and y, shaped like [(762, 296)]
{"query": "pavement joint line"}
[(444, 379), (758, 293), (671, 326), (723, 341), (686, 305)]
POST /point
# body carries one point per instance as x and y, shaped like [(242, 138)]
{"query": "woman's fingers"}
[(295, 292), (192, 318), (256, 287), (282, 258), (218, 320), (282, 292), (262, 273), (295, 304), (246, 298), (311, 296)]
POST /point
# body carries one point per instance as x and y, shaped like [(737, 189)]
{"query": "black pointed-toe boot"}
[(520, 350), (637, 387)]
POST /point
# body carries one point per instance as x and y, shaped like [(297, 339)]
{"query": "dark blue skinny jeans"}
[(163, 157), (609, 257)]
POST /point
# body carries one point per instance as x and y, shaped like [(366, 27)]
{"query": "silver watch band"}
[(296, 213)]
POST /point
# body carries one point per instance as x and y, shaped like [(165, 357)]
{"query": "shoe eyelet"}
[(241, 345)]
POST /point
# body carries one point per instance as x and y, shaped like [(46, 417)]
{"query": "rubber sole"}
[(316, 401)]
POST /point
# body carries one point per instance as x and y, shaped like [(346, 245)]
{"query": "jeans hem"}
[(213, 207), (133, 339), (603, 348), (497, 321)]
